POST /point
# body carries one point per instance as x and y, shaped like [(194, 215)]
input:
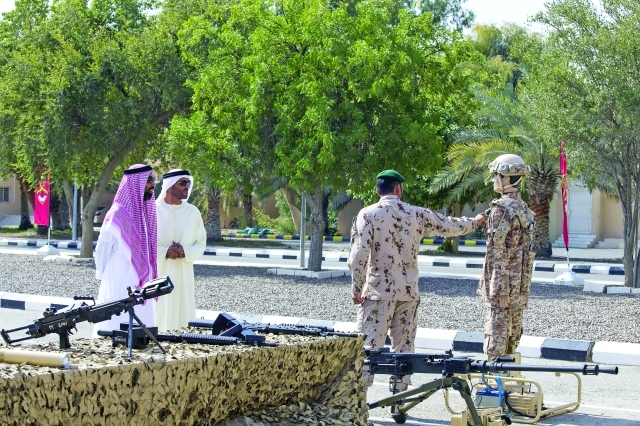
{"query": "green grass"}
[(14, 232), (258, 243)]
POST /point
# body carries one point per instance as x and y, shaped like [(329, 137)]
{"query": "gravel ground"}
[(555, 311)]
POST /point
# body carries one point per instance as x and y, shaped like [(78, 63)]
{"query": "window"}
[(4, 195)]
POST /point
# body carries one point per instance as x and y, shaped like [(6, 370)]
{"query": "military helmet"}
[(509, 165)]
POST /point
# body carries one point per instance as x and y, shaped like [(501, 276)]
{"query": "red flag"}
[(41, 204), (565, 198)]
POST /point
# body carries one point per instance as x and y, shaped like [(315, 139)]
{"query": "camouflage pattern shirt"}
[(509, 262), (385, 240)]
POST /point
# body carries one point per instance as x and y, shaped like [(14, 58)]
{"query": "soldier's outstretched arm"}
[(447, 226)]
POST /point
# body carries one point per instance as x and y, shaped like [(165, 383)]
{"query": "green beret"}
[(390, 174)]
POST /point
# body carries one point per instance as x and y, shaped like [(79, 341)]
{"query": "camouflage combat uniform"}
[(383, 260), (507, 271)]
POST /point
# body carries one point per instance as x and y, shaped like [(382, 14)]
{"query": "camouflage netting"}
[(304, 380)]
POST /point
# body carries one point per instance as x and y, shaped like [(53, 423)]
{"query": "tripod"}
[(132, 316)]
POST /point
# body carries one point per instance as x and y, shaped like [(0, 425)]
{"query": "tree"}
[(326, 94), (19, 29), (501, 128), (106, 84), (502, 125), (585, 91)]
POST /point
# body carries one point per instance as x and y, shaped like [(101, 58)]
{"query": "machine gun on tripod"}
[(455, 374), (62, 322)]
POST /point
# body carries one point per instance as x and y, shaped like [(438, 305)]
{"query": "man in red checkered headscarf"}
[(127, 246)]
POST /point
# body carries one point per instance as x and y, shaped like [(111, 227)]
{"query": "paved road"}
[(425, 270)]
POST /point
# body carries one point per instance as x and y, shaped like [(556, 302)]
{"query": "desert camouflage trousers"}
[(501, 326), (376, 318)]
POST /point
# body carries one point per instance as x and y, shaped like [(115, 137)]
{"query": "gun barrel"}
[(585, 370), (198, 338)]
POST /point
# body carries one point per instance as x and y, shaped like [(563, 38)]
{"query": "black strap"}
[(138, 170)]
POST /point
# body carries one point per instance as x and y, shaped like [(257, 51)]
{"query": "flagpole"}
[(49, 231), (569, 277), (45, 191)]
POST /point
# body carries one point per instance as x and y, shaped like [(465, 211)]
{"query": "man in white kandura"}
[(126, 249), (181, 240)]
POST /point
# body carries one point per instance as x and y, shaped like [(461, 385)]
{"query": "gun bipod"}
[(402, 402)]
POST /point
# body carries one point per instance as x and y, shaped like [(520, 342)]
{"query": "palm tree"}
[(501, 129)]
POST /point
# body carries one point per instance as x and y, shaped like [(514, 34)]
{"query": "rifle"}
[(225, 330), (141, 340), (62, 322), (227, 325), (452, 369)]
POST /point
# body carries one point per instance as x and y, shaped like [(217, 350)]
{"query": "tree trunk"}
[(68, 196), (59, 212), (630, 227), (325, 211), (79, 213), (627, 260), (292, 201), (25, 194), (316, 229), (455, 241), (541, 187), (212, 223), (89, 208), (247, 203), (25, 217), (65, 214)]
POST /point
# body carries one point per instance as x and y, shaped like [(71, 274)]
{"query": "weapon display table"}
[(193, 384)]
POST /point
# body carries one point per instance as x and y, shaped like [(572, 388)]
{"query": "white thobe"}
[(181, 224), (116, 272)]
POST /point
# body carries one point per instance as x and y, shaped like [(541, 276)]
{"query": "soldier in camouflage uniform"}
[(385, 240), (506, 279)]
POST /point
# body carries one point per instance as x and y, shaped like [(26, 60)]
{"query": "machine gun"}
[(62, 322), (453, 370), (226, 325), (225, 330), (141, 340)]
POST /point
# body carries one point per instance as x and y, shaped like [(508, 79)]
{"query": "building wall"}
[(268, 206), (606, 216), (472, 212), (611, 220), (12, 207), (346, 215)]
